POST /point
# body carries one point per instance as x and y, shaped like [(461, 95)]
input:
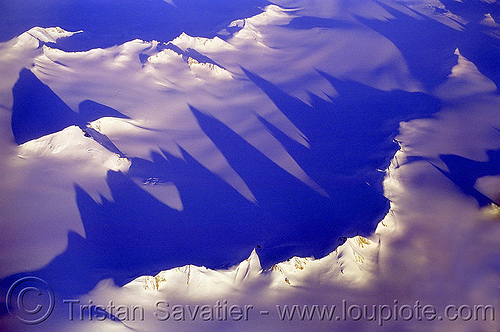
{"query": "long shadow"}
[(350, 136), (427, 45), (37, 111), (296, 219), (464, 173), (135, 234)]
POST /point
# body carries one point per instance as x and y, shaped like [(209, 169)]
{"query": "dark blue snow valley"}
[(351, 137)]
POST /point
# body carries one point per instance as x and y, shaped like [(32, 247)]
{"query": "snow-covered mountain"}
[(350, 148)]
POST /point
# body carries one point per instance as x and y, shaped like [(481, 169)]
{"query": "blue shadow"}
[(37, 111)]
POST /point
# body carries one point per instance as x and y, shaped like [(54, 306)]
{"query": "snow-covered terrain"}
[(124, 134)]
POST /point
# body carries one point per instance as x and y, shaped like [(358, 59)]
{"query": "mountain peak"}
[(50, 35)]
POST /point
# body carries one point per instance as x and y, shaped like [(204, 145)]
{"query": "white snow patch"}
[(464, 80)]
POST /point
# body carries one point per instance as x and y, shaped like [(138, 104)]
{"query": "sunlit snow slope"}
[(362, 135)]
